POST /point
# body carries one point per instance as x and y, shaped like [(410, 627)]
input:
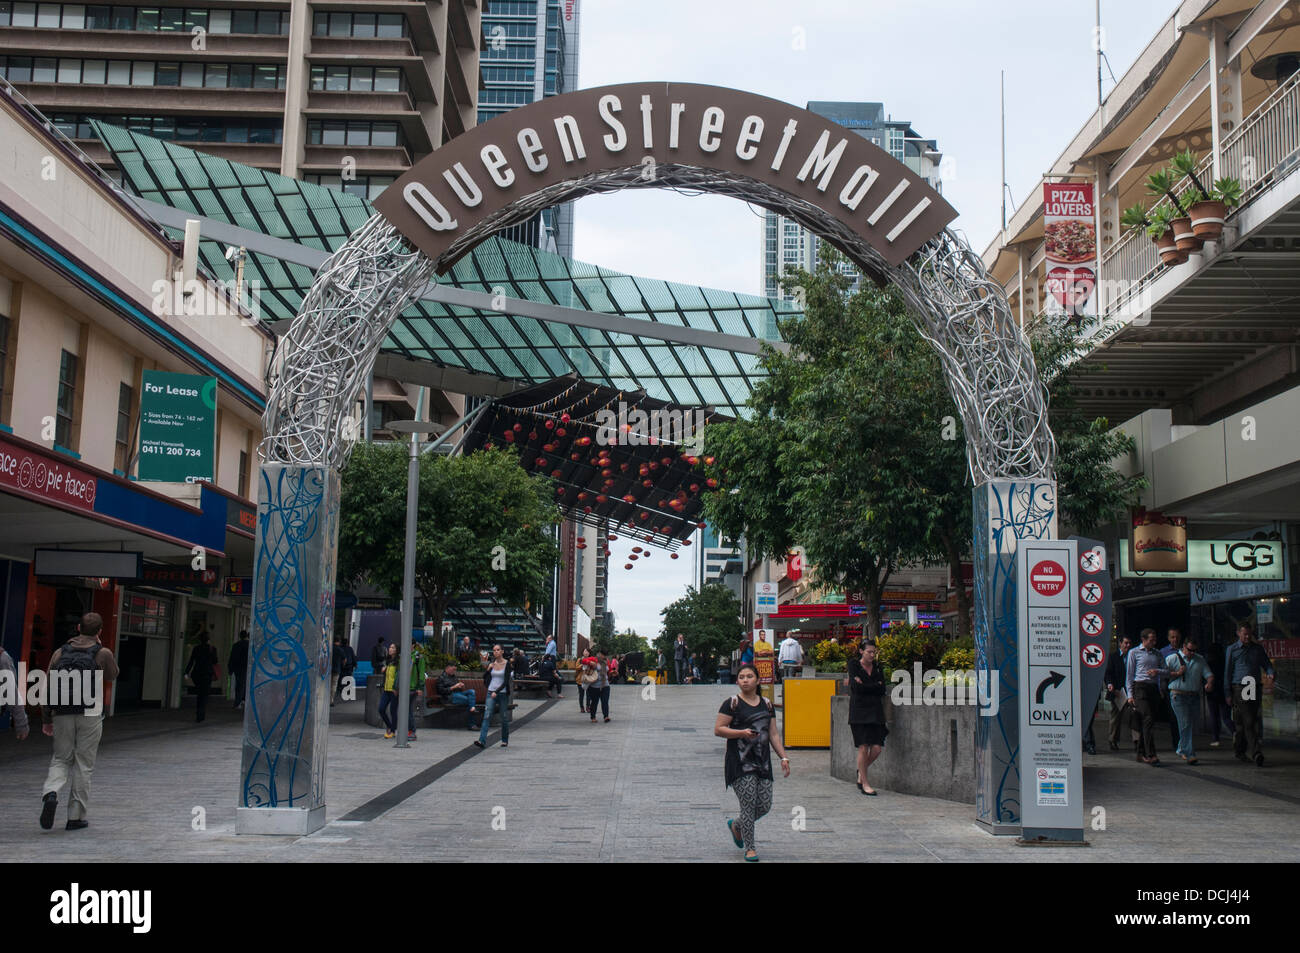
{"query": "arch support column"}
[(1005, 512)]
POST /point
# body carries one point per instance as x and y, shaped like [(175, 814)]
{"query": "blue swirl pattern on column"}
[(297, 526), (1004, 513)]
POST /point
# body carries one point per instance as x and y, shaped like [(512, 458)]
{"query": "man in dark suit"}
[(1121, 712)]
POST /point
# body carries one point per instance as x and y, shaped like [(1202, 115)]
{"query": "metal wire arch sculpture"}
[(322, 363)]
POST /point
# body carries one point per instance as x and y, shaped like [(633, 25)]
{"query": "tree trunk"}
[(963, 600), (873, 589)]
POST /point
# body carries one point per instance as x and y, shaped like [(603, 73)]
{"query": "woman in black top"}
[(866, 683), (746, 721)]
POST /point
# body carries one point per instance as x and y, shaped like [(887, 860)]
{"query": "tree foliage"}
[(710, 620), (482, 522), (855, 449)]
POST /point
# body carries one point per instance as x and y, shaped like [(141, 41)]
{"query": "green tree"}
[(710, 620), (856, 450), (482, 522), (830, 457)]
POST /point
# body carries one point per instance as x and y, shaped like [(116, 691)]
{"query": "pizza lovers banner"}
[(1070, 235)]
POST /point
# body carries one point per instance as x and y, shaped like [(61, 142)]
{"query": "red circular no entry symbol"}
[(1047, 577)]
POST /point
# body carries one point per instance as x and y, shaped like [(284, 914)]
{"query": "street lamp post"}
[(414, 428)]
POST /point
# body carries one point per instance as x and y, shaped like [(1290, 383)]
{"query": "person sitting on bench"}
[(453, 692)]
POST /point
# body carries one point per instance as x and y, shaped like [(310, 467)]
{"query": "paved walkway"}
[(646, 787)]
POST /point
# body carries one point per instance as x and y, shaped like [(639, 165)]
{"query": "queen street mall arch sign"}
[(841, 187)]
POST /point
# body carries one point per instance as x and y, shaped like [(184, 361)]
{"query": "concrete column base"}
[(284, 821)]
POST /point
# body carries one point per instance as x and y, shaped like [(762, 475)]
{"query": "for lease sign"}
[(178, 427)]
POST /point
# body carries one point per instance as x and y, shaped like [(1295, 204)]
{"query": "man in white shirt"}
[(791, 656)]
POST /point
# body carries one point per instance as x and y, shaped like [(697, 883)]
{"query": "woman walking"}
[(586, 677), (746, 721), (866, 683), (497, 679), (598, 690), (388, 701)]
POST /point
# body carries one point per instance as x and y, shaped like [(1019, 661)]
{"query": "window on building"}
[(388, 79), (67, 400), (44, 69), (69, 71), (243, 473), (122, 445), (390, 25), (119, 72), (47, 15), (142, 74)]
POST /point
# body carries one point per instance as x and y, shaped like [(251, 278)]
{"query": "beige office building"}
[(342, 94)]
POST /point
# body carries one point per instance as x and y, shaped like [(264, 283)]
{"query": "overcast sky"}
[(934, 63)]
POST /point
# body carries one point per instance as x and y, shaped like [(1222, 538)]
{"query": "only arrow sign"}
[(1054, 680)]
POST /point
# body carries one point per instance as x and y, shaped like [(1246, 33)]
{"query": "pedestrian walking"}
[(497, 679), (1121, 712), (791, 656), (549, 671), (866, 682), (614, 668), (586, 677), (76, 728), (746, 652), (1189, 676), (748, 722), (378, 656), (388, 701), (598, 690), (1219, 709), (347, 665), (661, 669), (680, 656), (1243, 664), (16, 709), (336, 668), (202, 668), (416, 690), (238, 665), (1145, 669), (1175, 640)]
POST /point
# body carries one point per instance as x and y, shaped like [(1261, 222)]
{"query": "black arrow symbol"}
[(1055, 679)]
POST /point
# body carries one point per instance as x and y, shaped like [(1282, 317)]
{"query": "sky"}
[(934, 63)]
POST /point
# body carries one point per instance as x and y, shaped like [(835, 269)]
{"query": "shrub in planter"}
[(1206, 208), (1162, 234), (958, 655), (1162, 184), (902, 645)]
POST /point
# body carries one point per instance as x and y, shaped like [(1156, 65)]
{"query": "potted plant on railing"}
[(1162, 183), (1207, 208), (1161, 232)]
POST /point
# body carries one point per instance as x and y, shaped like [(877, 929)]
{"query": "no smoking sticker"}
[(1090, 623), (1093, 656), (1091, 593)]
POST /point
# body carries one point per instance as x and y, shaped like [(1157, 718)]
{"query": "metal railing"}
[(1260, 152)]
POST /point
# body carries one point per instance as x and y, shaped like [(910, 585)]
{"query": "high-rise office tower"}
[(348, 95), (530, 51), (786, 244)]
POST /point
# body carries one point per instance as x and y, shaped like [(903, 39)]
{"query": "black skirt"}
[(870, 734)]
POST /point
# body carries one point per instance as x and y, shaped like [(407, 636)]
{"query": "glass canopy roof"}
[(508, 347)]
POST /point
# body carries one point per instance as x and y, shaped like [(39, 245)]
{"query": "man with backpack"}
[(76, 728)]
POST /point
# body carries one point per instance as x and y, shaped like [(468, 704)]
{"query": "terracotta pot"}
[(1207, 219), (1169, 253), (1183, 235)]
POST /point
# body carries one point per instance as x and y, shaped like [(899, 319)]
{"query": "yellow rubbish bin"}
[(808, 712)]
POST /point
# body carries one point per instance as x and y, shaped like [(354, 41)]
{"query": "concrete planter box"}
[(930, 750)]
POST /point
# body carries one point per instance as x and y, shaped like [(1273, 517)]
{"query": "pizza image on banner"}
[(1070, 248)]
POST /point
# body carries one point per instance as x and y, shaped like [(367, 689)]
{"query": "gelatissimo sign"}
[(1249, 559), (651, 130)]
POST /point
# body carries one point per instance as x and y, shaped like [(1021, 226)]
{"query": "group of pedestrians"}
[(1144, 683)]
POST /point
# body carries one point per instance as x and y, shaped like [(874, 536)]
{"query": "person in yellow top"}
[(388, 703)]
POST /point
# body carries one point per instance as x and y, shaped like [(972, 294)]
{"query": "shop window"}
[(63, 422), (122, 444)]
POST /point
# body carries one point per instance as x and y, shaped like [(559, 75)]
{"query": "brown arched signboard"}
[(652, 135)]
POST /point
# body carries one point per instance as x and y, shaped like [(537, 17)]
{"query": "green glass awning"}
[(506, 346)]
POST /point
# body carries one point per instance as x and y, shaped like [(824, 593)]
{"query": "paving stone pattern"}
[(646, 787)]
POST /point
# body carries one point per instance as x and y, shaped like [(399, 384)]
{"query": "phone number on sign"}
[(173, 451)]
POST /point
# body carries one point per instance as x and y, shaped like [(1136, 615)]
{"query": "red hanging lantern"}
[(548, 447), (712, 483), (628, 566), (556, 474), (647, 482), (550, 425), (517, 427), (672, 555), (629, 498), (540, 461), (702, 525), (708, 461), (564, 418), (686, 542), (510, 436), (560, 431), (601, 498), (695, 488), (532, 435)]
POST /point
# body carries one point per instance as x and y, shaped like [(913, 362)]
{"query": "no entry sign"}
[(1047, 577)]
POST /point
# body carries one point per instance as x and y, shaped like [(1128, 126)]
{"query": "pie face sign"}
[(647, 135), (1070, 247)]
